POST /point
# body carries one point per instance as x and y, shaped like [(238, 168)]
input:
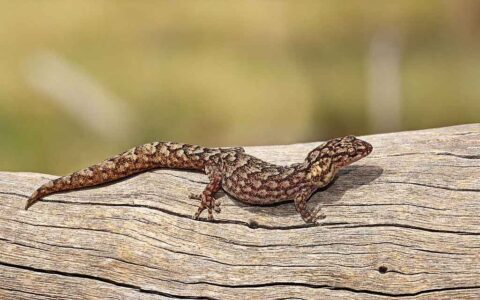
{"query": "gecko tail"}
[(51, 187), (34, 198), (138, 159)]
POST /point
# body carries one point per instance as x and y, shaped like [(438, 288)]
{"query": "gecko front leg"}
[(308, 215)]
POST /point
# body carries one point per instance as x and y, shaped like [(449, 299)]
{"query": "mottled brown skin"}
[(243, 176)]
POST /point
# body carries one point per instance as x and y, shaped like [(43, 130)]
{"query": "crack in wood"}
[(430, 186), (465, 156), (383, 204), (342, 288), (27, 292), (411, 227), (237, 286), (101, 279)]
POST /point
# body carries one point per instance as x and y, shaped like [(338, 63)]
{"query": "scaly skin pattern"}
[(242, 176)]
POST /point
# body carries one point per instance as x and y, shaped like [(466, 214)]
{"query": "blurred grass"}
[(229, 73)]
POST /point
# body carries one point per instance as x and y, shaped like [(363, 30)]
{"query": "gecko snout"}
[(368, 148)]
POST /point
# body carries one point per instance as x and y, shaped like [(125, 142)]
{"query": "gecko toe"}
[(210, 214), (216, 206), (318, 216), (195, 196), (200, 209)]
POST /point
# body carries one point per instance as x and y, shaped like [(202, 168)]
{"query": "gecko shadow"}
[(349, 178)]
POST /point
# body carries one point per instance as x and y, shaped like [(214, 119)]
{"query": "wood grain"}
[(401, 223)]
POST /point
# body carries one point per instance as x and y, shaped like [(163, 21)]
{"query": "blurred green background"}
[(83, 80)]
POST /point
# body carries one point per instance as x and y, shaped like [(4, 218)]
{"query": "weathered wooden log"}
[(403, 222)]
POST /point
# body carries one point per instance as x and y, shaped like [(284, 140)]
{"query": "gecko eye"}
[(351, 151)]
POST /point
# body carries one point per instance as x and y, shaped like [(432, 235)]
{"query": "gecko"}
[(243, 176)]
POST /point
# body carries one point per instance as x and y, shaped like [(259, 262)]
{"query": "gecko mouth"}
[(363, 148), (369, 148)]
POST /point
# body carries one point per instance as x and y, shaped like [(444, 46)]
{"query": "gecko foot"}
[(215, 206), (316, 216), (208, 203)]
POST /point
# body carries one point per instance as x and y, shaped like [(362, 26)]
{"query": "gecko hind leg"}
[(207, 199)]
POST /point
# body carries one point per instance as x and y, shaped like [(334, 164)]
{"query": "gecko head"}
[(347, 150), (327, 159)]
